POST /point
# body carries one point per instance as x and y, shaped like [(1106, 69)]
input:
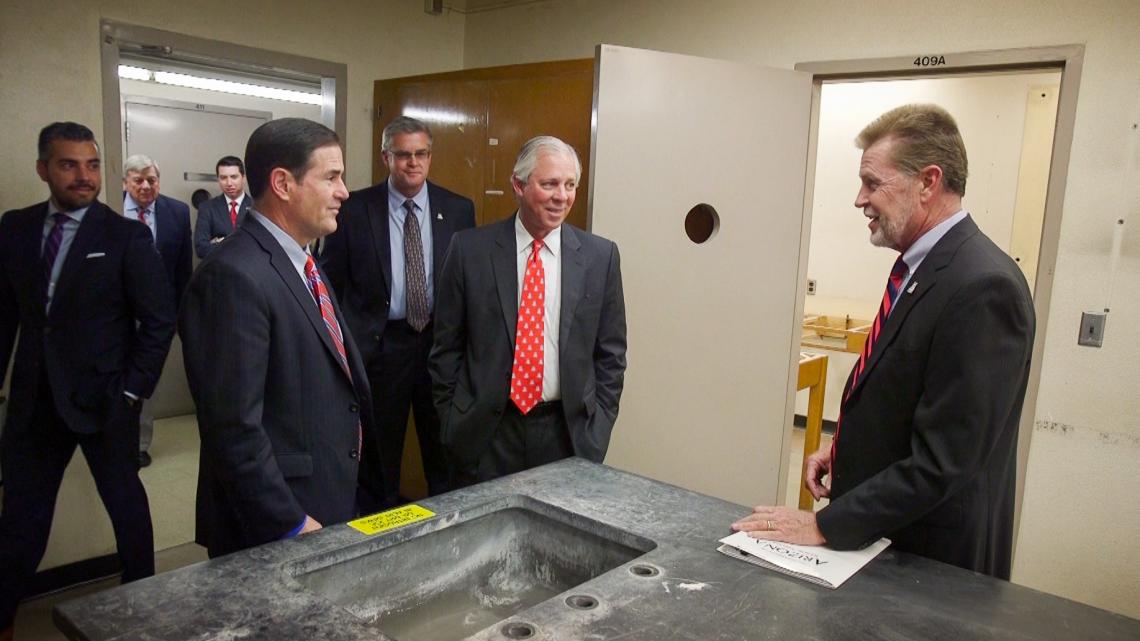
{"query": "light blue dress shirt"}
[(918, 251), (131, 210), (398, 308)]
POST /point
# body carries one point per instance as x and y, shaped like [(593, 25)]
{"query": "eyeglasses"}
[(404, 156)]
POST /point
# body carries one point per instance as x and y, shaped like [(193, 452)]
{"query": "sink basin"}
[(484, 565)]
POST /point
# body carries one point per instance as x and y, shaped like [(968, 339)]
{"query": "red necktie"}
[(142, 215), (233, 213), (526, 374), (328, 315), (894, 282)]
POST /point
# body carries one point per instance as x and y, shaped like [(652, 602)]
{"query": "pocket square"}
[(96, 254)]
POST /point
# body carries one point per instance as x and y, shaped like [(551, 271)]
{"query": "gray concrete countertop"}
[(697, 594)]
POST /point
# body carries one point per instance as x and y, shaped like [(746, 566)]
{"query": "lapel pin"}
[(438, 216), (913, 284)]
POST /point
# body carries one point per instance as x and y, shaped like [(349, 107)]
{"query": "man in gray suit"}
[(528, 359), (281, 391)]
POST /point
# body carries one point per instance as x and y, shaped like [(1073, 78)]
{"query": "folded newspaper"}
[(819, 565)]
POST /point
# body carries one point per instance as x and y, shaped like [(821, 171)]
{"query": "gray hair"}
[(531, 149), (140, 163), (403, 125)]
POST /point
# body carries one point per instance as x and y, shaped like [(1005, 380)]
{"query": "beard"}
[(889, 230), (69, 200)]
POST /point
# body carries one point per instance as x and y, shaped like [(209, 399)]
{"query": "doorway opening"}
[(1016, 110)]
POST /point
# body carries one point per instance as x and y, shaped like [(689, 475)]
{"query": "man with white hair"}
[(169, 223), (528, 359)]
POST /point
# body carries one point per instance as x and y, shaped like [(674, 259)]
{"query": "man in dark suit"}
[(85, 290), (223, 214), (926, 449), (529, 354), (169, 223), (383, 263), (280, 389)]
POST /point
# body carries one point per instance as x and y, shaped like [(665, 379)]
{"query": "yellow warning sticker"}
[(391, 519)]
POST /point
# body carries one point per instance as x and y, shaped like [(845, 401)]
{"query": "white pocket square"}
[(96, 254)]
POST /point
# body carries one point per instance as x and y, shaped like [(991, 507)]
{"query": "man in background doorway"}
[(281, 393), (529, 355), (223, 214), (925, 452), (384, 261), (169, 223), (84, 288)]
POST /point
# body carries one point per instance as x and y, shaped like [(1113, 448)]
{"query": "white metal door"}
[(186, 140), (713, 327)]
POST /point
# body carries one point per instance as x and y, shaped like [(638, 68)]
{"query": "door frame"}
[(1067, 58), (118, 37)]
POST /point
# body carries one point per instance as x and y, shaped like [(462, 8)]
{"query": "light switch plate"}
[(1092, 329)]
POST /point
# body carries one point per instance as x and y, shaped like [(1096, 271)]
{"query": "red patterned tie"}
[(233, 213), (142, 214), (898, 272), (328, 315), (526, 374)]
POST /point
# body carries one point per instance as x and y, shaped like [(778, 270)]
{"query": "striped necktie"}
[(894, 282), (51, 249), (328, 315)]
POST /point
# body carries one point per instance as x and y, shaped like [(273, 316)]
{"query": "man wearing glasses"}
[(383, 261)]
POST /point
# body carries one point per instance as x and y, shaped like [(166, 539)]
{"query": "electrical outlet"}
[(1092, 329), (811, 287)]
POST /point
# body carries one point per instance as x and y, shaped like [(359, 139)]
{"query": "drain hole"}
[(581, 602), (644, 570), (518, 630)]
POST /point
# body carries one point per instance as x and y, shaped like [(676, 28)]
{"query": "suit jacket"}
[(358, 256), (214, 222), (278, 415), (110, 324), (172, 239), (476, 312), (928, 446)]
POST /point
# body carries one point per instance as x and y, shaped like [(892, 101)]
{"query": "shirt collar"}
[(129, 204), (523, 239), (296, 253), (75, 214), (918, 251), (396, 199), (234, 200)]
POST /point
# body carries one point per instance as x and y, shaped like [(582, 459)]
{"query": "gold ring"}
[(770, 525)]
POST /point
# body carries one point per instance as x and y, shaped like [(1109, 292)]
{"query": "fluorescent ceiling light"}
[(444, 116), (133, 73), (215, 84)]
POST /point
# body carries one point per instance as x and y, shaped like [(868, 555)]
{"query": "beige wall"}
[(1081, 517), (50, 70)]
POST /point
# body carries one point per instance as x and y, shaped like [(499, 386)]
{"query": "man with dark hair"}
[(223, 214), (925, 451), (85, 290), (281, 392), (169, 222), (383, 261), (529, 354)]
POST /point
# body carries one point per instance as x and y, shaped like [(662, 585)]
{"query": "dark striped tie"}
[(51, 249), (898, 273)]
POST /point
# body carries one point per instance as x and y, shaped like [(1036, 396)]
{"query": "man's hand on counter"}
[(781, 524)]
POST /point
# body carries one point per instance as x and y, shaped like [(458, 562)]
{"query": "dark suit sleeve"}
[(151, 303), (450, 337), (9, 306), (609, 357), (225, 328), (185, 254), (203, 230), (977, 363)]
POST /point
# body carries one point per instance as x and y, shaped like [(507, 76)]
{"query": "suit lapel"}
[(573, 281), (32, 255), (506, 274), (921, 282), (440, 230), (90, 232), (381, 237), (293, 282)]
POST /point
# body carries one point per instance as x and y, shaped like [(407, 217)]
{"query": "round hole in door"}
[(701, 223)]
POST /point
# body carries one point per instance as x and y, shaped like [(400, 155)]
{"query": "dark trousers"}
[(34, 457), (522, 442), (400, 382)]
